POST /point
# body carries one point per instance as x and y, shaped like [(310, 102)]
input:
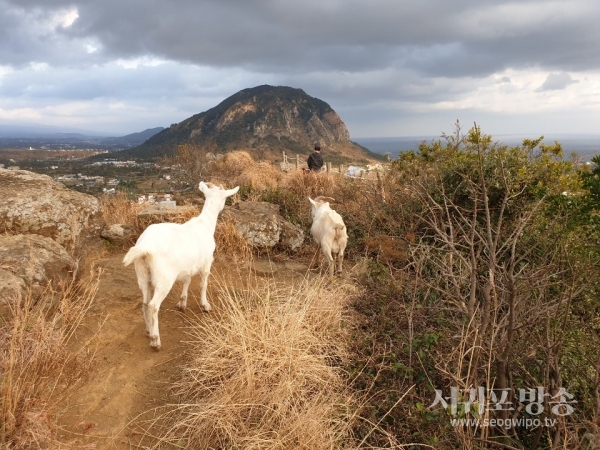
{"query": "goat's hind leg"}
[(329, 258), (182, 305), (160, 292), (340, 260), (146, 293), (144, 277)]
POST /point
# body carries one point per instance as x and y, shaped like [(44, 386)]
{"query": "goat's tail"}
[(135, 253), (338, 230)]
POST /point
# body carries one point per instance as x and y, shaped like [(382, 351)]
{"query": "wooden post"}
[(297, 162), (341, 169), (284, 158), (380, 183), (328, 167)]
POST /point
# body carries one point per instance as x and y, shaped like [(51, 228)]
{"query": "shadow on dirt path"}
[(129, 380)]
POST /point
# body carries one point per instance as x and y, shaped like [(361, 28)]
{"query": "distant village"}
[(85, 178)]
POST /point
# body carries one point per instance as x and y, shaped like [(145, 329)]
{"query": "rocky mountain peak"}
[(262, 120)]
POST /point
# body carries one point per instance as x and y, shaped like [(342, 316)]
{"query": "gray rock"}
[(292, 236), (262, 226), (31, 203), (258, 222), (117, 234), (31, 260)]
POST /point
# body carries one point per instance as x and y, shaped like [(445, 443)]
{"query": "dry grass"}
[(118, 209), (36, 364), (265, 372), (230, 242), (238, 168), (313, 185), (260, 176), (232, 164)]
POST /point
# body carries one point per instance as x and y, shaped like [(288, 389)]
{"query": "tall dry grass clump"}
[(260, 176), (119, 209), (230, 242), (239, 168), (37, 367), (303, 185), (265, 372)]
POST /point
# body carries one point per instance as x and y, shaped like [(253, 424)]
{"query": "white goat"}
[(329, 230), (167, 252)]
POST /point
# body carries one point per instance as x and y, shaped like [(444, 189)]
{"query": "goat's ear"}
[(327, 199), (312, 201), (230, 192), (203, 187)]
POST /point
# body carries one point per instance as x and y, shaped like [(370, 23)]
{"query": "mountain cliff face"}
[(264, 121)]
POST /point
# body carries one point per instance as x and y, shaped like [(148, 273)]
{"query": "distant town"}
[(106, 176)]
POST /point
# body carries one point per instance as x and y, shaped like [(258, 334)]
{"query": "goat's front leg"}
[(184, 294), (203, 286)]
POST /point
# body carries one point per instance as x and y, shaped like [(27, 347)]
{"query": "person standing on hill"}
[(315, 160)]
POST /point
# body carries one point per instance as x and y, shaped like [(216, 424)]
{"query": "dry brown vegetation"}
[(118, 209), (238, 168), (37, 364), (266, 372)]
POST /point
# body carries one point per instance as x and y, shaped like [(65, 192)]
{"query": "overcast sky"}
[(387, 67)]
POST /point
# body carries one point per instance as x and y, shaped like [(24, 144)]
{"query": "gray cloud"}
[(556, 82), (459, 38), (375, 59)]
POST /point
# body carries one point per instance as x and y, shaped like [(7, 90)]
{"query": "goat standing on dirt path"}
[(167, 252), (329, 230)]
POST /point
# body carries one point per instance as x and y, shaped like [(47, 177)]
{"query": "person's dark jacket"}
[(315, 161)]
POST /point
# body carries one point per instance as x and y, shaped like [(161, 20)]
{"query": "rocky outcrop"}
[(30, 261), (262, 226), (31, 203), (42, 224)]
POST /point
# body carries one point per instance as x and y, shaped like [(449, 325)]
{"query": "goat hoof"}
[(181, 308), (155, 343), (207, 308)]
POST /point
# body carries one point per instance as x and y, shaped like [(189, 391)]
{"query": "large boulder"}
[(31, 203), (262, 226), (30, 260)]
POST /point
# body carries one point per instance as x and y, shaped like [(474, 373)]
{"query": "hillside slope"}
[(263, 120)]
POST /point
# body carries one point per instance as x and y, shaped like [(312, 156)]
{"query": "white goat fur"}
[(329, 231), (167, 252)]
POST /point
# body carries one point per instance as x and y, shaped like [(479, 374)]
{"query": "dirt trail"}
[(128, 378)]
